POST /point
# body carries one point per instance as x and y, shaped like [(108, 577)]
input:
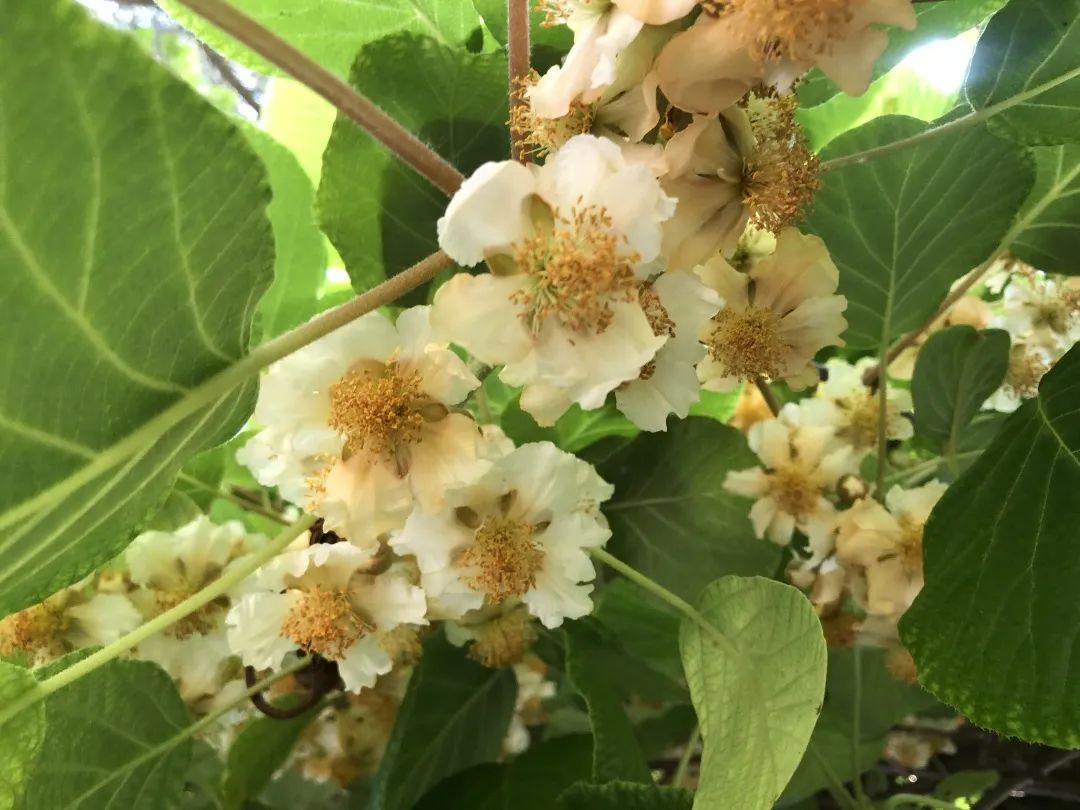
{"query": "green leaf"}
[(332, 31), (616, 752), (1026, 71), (21, 736), (646, 628), (549, 44), (957, 369), (1001, 561), (256, 754), (624, 796), (455, 715), (938, 20), (179, 509), (671, 517), (573, 431), (132, 223), (967, 785), (113, 737), (380, 214), (300, 256), (532, 781), (1050, 239), (202, 789), (716, 405), (757, 679), (904, 226)]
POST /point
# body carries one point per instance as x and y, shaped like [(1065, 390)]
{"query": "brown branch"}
[(517, 23), (348, 101), (228, 75)]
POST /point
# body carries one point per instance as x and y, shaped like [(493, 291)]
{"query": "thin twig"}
[(228, 75), (517, 23), (679, 779), (348, 101), (234, 498), (1000, 794), (768, 395)]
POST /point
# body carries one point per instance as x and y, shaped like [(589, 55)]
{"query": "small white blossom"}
[(521, 532), (571, 244), (325, 599), (358, 424)]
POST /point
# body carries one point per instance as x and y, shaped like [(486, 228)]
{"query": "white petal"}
[(488, 214)]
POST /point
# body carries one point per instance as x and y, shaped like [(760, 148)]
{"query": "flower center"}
[(659, 319), (577, 271), (781, 175), (794, 490), (540, 136), (37, 630), (748, 344), (862, 418), (199, 623), (324, 622), (775, 30), (910, 547), (504, 557), (377, 411), (1026, 369)]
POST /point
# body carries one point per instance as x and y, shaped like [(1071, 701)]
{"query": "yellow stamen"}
[(795, 491), (1026, 370), (748, 344), (199, 623), (578, 270), (775, 30), (324, 622), (504, 558), (37, 631), (503, 641), (911, 546), (540, 136), (781, 176), (380, 412)]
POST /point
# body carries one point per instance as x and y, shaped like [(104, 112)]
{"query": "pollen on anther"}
[(324, 622), (503, 559), (377, 410)]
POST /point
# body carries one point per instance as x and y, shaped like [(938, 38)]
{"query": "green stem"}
[(232, 497), (679, 779), (232, 577), (768, 395), (901, 799), (663, 594), (972, 118), (229, 378), (834, 785), (856, 728), (883, 422)]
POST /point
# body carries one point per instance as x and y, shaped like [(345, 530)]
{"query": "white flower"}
[(323, 599), (777, 316), (677, 305), (571, 242), (886, 543), (1039, 310), (846, 404), (358, 424), (800, 468), (199, 664), (519, 533), (601, 31)]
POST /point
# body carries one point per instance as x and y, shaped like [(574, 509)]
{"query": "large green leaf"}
[(532, 781), (1050, 239), (113, 738), (616, 752), (624, 796), (300, 256), (380, 214), (134, 246), (1026, 71), (258, 751), (20, 737), (670, 515), (454, 716), (647, 628), (332, 31), (994, 629), (937, 20), (957, 369), (757, 678), (904, 226)]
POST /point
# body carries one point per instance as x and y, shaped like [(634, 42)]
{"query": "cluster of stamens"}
[(377, 411), (794, 489), (198, 623), (1026, 370), (782, 174), (659, 319), (577, 268), (910, 548), (503, 558), (862, 411), (37, 630), (323, 621), (537, 136), (748, 344)]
